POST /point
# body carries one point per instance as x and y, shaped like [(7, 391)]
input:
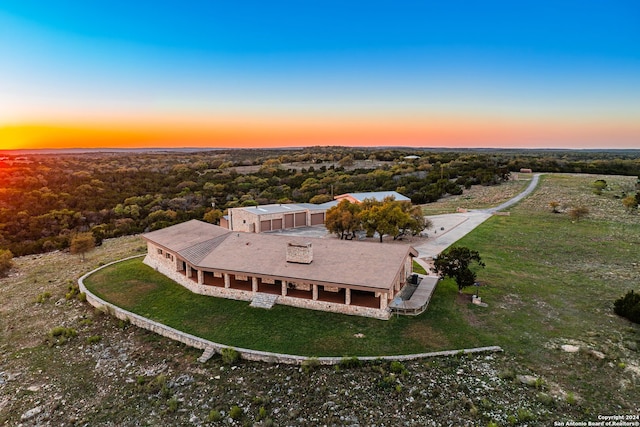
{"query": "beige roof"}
[(360, 265)]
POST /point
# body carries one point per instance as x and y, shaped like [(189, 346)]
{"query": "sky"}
[(503, 73)]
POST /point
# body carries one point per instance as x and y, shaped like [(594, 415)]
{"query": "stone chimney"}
[(300, 253)]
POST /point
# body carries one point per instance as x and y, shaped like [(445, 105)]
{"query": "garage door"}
[(288, 221), (265, 225), (301, 219), (317, 218), (276, 224)]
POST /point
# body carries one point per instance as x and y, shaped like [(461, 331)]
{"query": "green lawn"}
[(140, 289)]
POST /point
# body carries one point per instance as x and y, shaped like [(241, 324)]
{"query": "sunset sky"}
[(557, 74)]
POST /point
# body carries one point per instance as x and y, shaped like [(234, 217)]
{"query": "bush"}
[(310, 364), (229, 355), (43, 297), (628, 306), (6, 261), (397, 368), (172, 405), (74, 290), (59, 335), (61, 331), (214, 416), (236, 412), (94, 339), (350, 362)]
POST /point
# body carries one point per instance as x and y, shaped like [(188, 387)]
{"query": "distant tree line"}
[(45, 200)]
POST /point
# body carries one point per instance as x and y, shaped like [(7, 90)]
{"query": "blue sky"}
[(522, 67)]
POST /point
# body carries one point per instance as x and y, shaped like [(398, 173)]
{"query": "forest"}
[(47, 198)]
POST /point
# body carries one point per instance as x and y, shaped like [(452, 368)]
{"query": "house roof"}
[(376, 195), (359, 265)]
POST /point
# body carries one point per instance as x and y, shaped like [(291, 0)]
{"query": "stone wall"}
[(247, 354)]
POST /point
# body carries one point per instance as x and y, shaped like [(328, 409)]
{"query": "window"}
[(159, 251)]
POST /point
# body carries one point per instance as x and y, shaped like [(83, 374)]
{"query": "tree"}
[(628, 306), (413, 221), (6, 261), (213, 216), (578, 213), (455, 262), (343, 219), (380, 217), (82, 243)]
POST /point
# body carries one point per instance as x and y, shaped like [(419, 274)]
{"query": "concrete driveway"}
[(449, 228)]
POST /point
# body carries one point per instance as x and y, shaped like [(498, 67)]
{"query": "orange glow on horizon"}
[(257, 133)]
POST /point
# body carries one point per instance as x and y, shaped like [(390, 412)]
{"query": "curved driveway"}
[(449, 228)]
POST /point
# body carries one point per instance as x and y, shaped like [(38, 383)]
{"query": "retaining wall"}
[(248, 354), (167, 268)]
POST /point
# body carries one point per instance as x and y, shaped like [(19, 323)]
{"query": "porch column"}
[(383, 301), (347, 296), (227, 280), (315, 292), (188, 271), (200, 277), (177, 263), (254, 284), (284, 288)]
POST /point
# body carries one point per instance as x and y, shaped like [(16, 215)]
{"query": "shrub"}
[(94, 339), (350, 362), (229, 355), (262, 413), (59, 335), (310, 364), (61, 331), (236, 412), (43, 297), (628, 306), (6, 261), (387, 382), (397, 368), (74, 290), (172, 405), (214, 416)]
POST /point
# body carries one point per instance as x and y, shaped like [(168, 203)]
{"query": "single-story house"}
[(358, 278)]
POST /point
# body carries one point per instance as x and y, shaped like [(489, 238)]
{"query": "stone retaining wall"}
[(247, 354), (159, 264)]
